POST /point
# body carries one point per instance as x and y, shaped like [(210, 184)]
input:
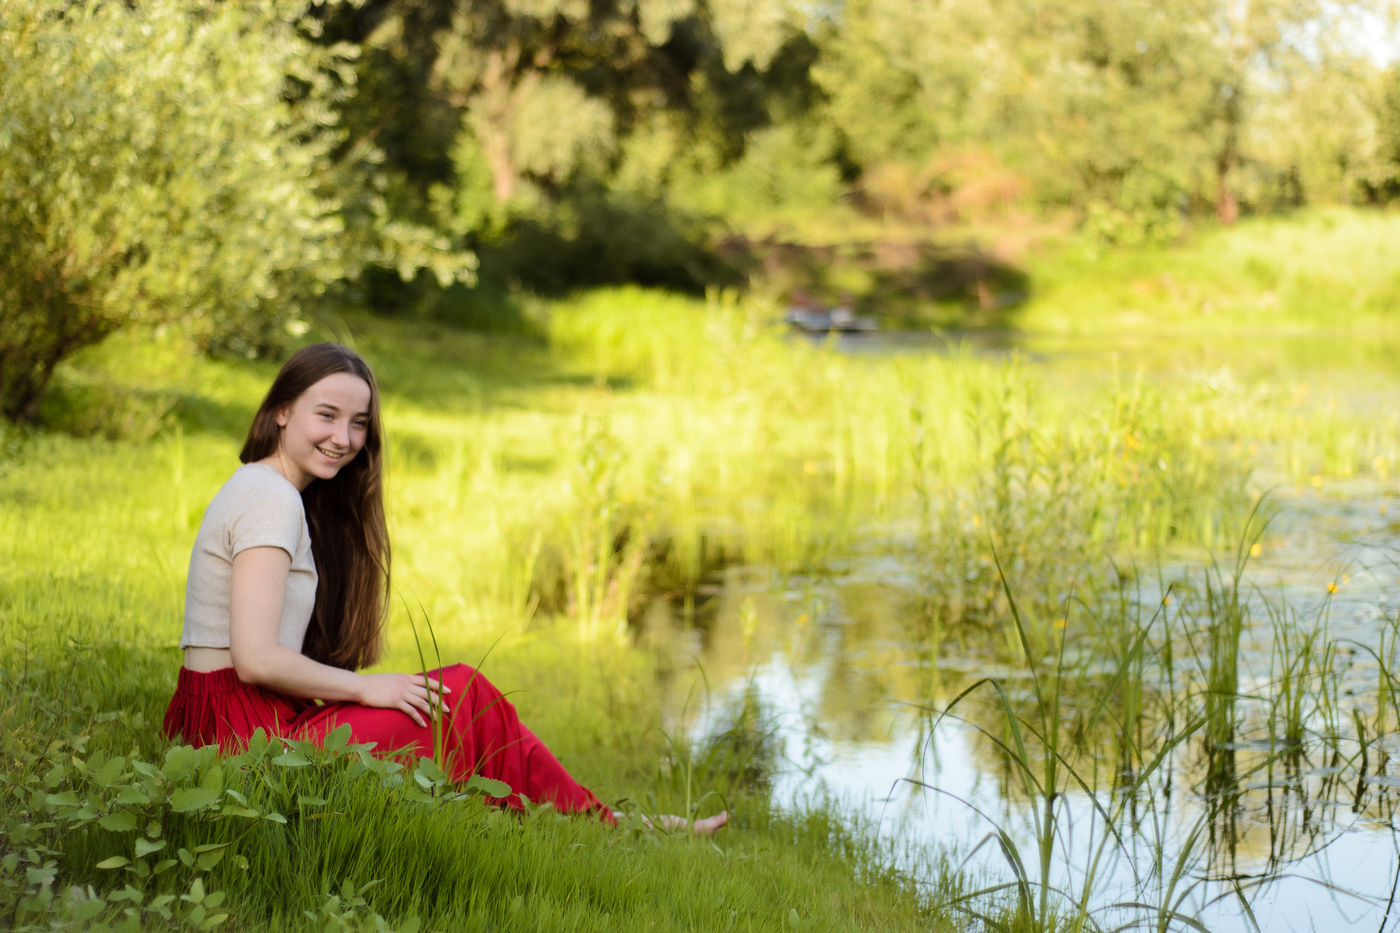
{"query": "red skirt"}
[(483, 734)]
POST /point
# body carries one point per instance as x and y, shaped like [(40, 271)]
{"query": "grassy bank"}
[(1317, 271), (91, 604), (507, 509), (540, 492)]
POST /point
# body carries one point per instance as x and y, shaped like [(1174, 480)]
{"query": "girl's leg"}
[(482, 734)]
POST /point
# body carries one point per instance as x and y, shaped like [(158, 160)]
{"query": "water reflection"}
[(1298, 357), (1286, 803)]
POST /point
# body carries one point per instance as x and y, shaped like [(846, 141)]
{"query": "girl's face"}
[(324, 429)]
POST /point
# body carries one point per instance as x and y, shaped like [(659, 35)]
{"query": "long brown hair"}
[(349, 538)]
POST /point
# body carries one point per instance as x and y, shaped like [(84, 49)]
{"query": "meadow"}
[(547, 488)]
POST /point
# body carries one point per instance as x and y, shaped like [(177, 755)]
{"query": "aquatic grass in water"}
[(1042, 759), (1168, 724)]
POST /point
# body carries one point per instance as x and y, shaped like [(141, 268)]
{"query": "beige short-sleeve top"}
[(257, 507)]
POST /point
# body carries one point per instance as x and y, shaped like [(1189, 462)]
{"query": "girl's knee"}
[(463, 679)]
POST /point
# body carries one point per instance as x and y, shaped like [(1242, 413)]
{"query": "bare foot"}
[(705, 827), (671, 822)]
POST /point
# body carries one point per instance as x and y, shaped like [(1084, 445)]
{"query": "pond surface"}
[(828, 669)]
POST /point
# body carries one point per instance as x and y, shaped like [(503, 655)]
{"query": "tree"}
[(1289, 102), (170, 163), (1385, 183), (1126, 111), (550, 86), (1094, 103), (514, 69)]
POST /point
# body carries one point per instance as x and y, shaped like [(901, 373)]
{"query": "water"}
[(841, 686)]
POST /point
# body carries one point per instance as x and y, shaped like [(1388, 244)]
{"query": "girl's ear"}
[(283, 414)]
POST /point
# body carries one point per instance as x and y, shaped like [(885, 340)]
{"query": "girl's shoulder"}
[(255, 507), (256, 485)]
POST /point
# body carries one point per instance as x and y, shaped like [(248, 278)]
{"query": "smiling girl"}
[(286, 600)]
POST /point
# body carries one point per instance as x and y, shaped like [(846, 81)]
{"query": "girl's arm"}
[(255, 618)]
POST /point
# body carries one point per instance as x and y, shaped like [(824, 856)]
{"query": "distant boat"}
[(817, 320)]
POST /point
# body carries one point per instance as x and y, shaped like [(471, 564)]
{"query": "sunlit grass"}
[(1320, 270), (540, 491)]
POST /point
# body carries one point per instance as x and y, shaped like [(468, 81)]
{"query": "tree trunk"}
[(32, 345), (1227, 206), (491, 112)]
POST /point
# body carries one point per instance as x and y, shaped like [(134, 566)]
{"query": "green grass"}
[(540, 491), (485, 478), (1319, 270), (91, 603)]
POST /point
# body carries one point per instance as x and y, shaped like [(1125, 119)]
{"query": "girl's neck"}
[(285, 470)]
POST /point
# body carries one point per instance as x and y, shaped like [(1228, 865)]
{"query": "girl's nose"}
[(342, 434)]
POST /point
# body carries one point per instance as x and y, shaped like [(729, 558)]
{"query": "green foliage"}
[(1386, 185), (172, 164), (753, 33), (1146, 209), (171, 831), (786, 170), (580, 130), (469, 207), (590, 236), (1099, 106), (1130, 117), (192, 200), (301, 145), (875, 70), (520, 84)]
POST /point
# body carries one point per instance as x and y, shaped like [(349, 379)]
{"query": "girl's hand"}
[(414, 694)]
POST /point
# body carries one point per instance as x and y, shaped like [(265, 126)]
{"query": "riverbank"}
[(96, 533), (543, 494), (1328, 271)]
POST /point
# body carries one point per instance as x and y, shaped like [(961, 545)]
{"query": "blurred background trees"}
[(692, 122), (215, 166)]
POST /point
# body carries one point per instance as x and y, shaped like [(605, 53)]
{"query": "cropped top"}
[(257, 507)]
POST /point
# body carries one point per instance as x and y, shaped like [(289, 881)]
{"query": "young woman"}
[(287, 595)]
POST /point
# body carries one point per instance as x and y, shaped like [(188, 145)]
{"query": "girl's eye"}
[(362, 425)]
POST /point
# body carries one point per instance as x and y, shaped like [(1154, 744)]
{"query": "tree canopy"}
[(215, 165), (1133, 116), (176, 163)]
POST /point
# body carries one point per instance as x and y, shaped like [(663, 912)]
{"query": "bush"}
[(166, 164)]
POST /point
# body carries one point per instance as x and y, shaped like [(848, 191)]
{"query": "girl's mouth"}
[(328, 454)]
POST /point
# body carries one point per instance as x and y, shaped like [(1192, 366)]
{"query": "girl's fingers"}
[(437, 699), (424, 700), (427, 705), (413, 714), (428, 700)]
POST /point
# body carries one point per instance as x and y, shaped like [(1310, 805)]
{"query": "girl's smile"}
[(323, 430)]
